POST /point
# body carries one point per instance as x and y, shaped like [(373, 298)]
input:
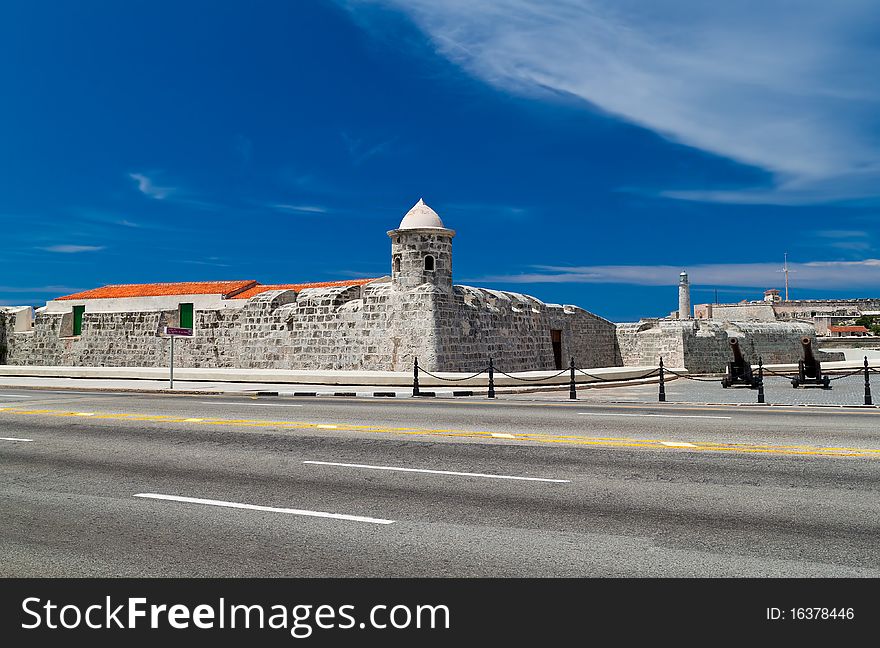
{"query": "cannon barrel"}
[(807, 343), (737, 352)]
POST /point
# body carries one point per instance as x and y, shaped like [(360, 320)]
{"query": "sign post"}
[(174, 332)]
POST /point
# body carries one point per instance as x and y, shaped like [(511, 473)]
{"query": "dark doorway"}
[(556, 339)]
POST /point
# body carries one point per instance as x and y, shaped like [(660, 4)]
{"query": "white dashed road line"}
[(695, 416), (249, 404), (13, 439), (269, 509), (436, 472)]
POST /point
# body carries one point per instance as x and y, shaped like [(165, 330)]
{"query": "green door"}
[(186, 316), (78, 319)]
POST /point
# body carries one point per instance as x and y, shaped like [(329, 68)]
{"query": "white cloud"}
[(309, 209), (148, 187), (72, 249), (841, 234), (790, 88), (840, 275), (361, 150)]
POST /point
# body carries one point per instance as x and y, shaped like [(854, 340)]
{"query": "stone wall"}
[(15, 325), (644, 343), (707, 347), (809, 308), (758, 312), (374, 327), (801, 309), (515, 330), (704, 347)]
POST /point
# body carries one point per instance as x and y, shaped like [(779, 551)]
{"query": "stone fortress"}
[(371, 324), (825, 314)]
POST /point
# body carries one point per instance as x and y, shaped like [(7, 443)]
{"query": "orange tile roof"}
[(847, 329), (260, 288), (226, 288)]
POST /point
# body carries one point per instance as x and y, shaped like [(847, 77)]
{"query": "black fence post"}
[(415, 376), (572, 392), (662, 395), (760, 380), (491, 379), (868, 400)]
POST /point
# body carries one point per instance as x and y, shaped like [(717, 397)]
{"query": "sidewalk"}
[(299, 382), (288, 389)]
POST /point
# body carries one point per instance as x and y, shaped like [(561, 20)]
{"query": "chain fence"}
[(756, 381), (527, 381)]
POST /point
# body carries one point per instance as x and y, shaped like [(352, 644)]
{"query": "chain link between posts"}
[(770, 372), (830, 378), (860, 370), (680, 375), (428, 373), (504, 373), (655, 372)]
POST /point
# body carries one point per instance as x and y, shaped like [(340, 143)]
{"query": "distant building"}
[(772, 296), (820, 312), (847, 331)]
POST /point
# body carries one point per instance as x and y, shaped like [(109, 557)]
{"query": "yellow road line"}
[(608, 442)]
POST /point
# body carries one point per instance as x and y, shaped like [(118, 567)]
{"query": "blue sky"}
[(585, 152)]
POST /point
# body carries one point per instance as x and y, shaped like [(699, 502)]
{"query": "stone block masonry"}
[(372, 327), (702, 346)]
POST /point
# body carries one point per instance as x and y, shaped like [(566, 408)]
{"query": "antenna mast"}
[(785, 270)]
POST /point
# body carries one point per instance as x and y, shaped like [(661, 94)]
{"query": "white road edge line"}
[(13, 396), (270, 509), (13, 439), (249, 404), (655, 415), (436, 472)]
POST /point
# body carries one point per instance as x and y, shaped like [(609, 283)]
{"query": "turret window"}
[(396, 264), (429, 263)]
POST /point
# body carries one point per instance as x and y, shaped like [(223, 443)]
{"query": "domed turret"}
[(421, 216), (421, 250)]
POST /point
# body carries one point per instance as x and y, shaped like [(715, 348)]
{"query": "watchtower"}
[(421, 250)]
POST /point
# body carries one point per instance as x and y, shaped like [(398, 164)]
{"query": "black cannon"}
[(739, 372), (810, 369)]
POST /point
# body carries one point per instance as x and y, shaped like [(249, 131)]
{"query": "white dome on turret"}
[(421, 216)]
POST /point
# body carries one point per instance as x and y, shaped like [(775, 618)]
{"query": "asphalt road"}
[(135, 485)]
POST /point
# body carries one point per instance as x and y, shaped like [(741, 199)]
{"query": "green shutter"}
[(186, 316), (78, 319)]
